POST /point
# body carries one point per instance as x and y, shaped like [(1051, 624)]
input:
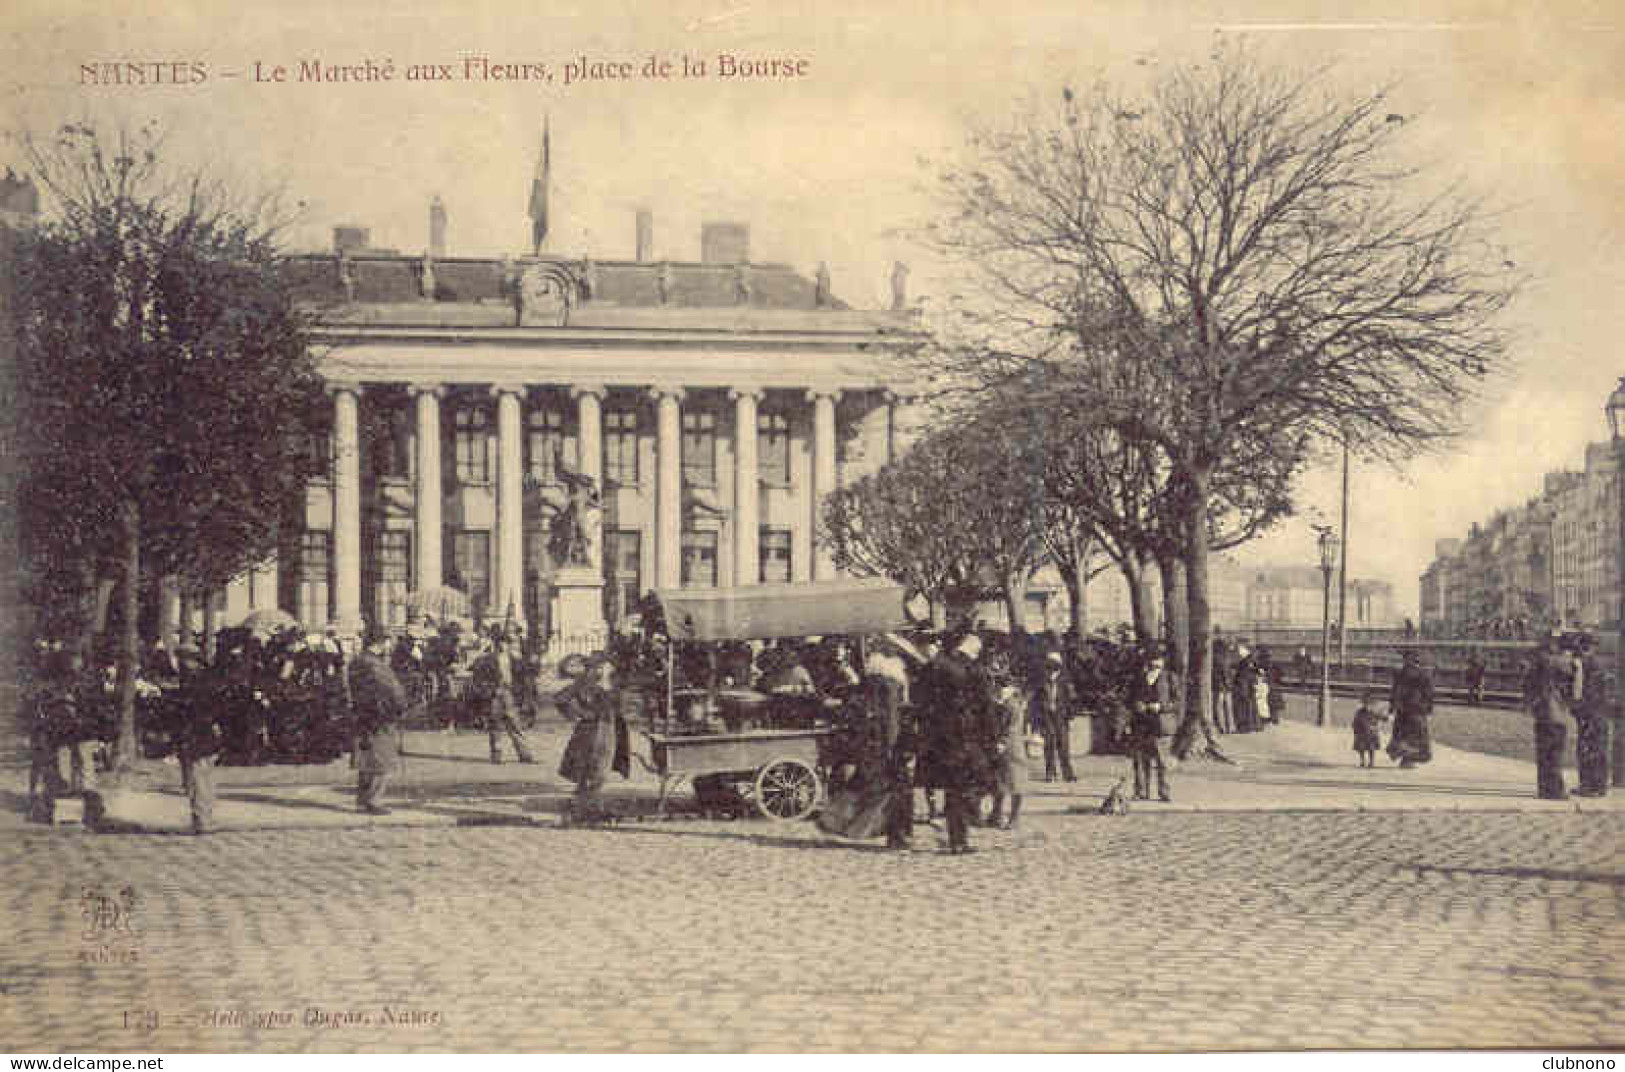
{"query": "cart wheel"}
[(786, 789)]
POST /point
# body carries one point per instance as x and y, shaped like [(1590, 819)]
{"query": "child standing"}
[(1367, 740)]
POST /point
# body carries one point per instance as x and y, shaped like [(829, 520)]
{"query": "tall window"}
[(390, 444), (321, 450), (623, 557), (773, 448), (621, 446), (538, 567), (700, 449), (315, 578), (544, 443), (774, 555), (472, 429), (471, 564), (699, 560), (393, 565)]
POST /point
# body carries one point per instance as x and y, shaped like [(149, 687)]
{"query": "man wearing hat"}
[(1057, 703), (1153, 719), (380, 701), (1550, 687), (959, 733), (1593, 701)]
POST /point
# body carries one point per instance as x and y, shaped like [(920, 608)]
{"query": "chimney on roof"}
[(437, 228), (646, 235), (725, 242), (348, 238)]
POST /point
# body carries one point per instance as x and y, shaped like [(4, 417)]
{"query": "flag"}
[(538, 193)]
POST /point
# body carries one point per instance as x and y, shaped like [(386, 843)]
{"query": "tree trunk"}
[(1015, 600), (129, 653), (1139, 599), (1172, 569), (1198, 711)]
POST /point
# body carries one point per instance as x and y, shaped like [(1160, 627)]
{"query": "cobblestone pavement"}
[(1080, 932)]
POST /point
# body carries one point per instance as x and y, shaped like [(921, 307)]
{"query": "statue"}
[(666, 282), (426, 277), (544, 295), (347, 277), (589, 279), (742, 286), (899, 286), (570, 535), (821, 298)]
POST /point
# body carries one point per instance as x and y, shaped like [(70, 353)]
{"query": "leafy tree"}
[(957, 519), (165, 383)]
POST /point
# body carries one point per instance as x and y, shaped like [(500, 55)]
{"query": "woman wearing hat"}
[(599, 742)]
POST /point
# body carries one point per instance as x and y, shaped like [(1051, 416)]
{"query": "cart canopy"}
[(766, 611)]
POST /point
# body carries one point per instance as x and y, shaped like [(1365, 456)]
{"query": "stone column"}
[(668, 486), (891, 400), (169, 613), (346, 508), (590, 454), (823, 400), (510, 541), (747, 511), (263, 585), (427, 494)]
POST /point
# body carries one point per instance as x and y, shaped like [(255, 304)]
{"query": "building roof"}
[(384, 280)]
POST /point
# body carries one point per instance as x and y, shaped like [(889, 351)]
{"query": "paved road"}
[(1081, 932)]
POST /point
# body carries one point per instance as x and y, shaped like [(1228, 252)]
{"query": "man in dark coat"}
[(1549, 690), (1057, 703), (1152, 719), (1475, 677), (959, 734), (380, 701), (1412, 702), (1593, 705), (493, 680)]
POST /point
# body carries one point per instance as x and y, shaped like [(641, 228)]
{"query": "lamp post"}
[(1328, 563), (1615, 409)]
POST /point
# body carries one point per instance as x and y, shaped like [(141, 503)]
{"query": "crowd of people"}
[(949, 717)]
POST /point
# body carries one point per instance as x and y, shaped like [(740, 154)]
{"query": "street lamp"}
[(1615, 409), (1328, 563)]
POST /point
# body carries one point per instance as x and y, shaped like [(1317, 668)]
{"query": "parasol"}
[(267, 621), (437, 602)]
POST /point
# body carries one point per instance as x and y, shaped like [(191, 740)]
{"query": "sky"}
[(1526, 107)]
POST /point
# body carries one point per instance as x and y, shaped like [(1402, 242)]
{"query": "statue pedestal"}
[(580, 591)]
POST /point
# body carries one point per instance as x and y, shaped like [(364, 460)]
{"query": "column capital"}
[(813, 394), (436, 389), (596, 390), (497, 390), (661, 391), (338, 387), (893, 397), (755, 394)]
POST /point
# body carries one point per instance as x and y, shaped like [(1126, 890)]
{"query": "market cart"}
[(757, 757)]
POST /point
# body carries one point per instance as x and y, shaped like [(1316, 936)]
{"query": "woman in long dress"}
[(599, 742)]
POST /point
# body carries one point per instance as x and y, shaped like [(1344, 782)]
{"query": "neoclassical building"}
[(711, 403)]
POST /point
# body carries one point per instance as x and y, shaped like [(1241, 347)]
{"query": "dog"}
[(1115, 803)]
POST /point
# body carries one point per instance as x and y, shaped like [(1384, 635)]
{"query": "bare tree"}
[(1236, 259)]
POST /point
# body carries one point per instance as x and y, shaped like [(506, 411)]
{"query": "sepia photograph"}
[(752, 526)]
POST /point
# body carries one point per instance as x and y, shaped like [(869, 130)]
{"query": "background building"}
[(1293, 597), (1552, 560), (710, 404)]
